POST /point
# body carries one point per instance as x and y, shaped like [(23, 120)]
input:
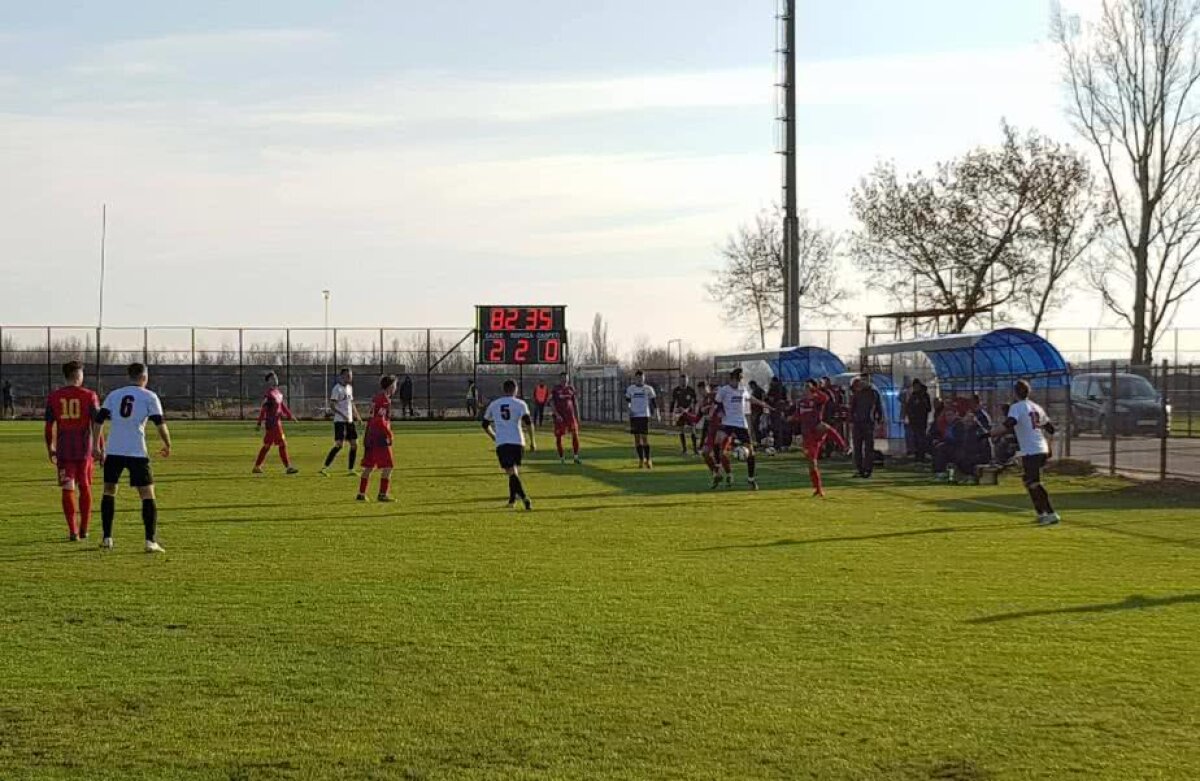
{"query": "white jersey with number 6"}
[(639, 398), (1030, 418), (505, 414), (129, 408), (733, 401)]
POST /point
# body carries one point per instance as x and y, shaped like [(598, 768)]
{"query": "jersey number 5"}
[(505, 412), (126, 406)]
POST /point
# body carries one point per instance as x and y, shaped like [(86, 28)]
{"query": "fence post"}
[(335, 358), (146, 346), (382, 364), (193, 374), (1190, 398), (428, 374), (1164, 423), (241, 376), (1070, 421), (99, 385), (1089, 347), (49, 369), (287, 360), (1112, 419)]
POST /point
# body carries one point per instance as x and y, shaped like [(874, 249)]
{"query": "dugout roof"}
[(791, 364), (989, 360)]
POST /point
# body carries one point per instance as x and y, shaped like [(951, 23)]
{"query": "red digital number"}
[(495, 351), (521, 353), (531, 319), (551, 350), (496, 320), (510, 319)]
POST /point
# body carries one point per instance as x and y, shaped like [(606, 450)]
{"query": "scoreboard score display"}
[(521, 334)]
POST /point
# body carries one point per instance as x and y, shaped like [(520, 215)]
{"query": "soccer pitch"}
[(634, 626)]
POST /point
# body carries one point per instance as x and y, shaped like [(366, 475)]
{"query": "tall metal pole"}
[(791, 215), (100, 315), (325, 387)]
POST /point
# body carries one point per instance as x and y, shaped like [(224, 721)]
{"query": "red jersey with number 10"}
[(72, 410), (379, 427)]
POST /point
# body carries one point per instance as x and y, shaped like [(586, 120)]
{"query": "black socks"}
[(750, 464), (150, 518), (515, 489), (108, 509), (353, 456), (333, 451)]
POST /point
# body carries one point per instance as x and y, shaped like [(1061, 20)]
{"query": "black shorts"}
[(639, 425), (140, 475), (739, 435), (510, 455), (1033, 466), (344, 432)]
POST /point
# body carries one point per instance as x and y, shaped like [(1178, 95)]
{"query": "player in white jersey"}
[(642, 402), (129, 408), (1033, 430), (504, 422), (734, 402), (345, 415)]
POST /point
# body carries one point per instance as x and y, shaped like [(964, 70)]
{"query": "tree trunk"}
[(1137, 355)]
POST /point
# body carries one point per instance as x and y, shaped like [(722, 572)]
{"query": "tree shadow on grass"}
[(856, 538), (1133, 602)]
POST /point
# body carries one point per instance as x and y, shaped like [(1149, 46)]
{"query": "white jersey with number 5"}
[(505, 414), (1030, 419), (129, 408), (733, 401), (639, 398)]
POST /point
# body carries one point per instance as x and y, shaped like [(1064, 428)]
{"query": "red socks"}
[(712, 464), (262, 456), (68, 506), (384, 484), (363, 483), (574, 444), (283, 456), (837, 438), (814, 475), (85, 507), (558, 444)]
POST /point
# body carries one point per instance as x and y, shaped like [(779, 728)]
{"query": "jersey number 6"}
[(126, 406)]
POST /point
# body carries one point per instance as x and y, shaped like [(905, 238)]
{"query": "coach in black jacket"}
[(866, 412)]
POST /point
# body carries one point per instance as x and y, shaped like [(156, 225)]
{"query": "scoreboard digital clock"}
[(521, 334)]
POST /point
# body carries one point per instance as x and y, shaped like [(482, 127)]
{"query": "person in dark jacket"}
[(916, 411), (866, 412), (405, 392), (777, 399), (8, 407), (756, 411)]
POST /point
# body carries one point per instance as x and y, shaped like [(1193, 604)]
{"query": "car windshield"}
[(1129, 388)]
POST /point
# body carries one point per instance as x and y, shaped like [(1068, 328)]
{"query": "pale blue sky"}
[(421, 157)]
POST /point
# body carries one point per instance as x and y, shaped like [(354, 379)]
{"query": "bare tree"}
[(1132, 78), (1066, 231), (602, 349), (960, 237), (749, 287)]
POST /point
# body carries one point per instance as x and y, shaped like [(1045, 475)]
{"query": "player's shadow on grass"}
[(1133, 602), (854, 538)]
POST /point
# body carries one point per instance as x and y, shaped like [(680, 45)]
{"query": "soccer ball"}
[(741, 452)]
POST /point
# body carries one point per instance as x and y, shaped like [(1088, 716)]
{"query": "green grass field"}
[(634, 626)]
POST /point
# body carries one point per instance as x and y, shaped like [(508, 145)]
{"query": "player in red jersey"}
[(378, 454), (273, 412), (810, 417), (566, 415), (70, 410), (709, 415)]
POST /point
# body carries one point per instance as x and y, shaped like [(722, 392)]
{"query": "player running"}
[(810, 417), (710, 415), (273, 412), (504, 423), (734, 401), (129, 408), (1034, 431), (642, 401), (345, 413), (69, 414), (683, 411), (378, 453), (566, 416)]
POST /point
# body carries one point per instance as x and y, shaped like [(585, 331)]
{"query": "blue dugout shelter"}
[(793, 365)]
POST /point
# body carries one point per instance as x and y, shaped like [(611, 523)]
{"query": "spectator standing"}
[(757, 393), (917, 411), (406, 397), (777, 399), (472, 399), (9, 406), (866, 412), (541, 395)]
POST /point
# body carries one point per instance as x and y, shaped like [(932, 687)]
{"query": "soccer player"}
[(734, 400), (69, 414), (129, 408), (683, 410), (273, 412), (642, 402), (810, 417), (378, 453), (566, 416), (1034, 431), (710, 414), (345, 413), (504, 422)]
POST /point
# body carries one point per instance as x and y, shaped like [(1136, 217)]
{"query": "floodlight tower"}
[(791, 217)]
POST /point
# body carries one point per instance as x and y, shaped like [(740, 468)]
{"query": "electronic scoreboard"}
[(521, 334)]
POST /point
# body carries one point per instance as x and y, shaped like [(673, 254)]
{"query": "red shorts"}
[(814, 441), (274, 436), (686, 419), (79, 471), (564, 426), (378, 458)]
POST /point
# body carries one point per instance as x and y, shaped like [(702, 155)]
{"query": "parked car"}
[(1138, 406)]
